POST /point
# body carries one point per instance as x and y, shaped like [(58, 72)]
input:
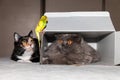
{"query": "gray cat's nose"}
[(64, 43)]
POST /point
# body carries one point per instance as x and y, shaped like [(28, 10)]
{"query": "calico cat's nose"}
[(30, 44)]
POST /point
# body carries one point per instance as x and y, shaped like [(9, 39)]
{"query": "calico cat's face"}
[(67, 41), (25, 42)]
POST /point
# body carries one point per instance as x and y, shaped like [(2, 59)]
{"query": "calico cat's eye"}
[(32, 40), (69, 42), (60, 41), (24, 43)]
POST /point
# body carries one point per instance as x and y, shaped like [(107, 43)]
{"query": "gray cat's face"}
[(67, 41)]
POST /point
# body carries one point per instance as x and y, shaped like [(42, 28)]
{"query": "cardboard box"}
[(96, 28)]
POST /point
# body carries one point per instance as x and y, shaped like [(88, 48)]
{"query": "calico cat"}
[(70, 49), (26, 48)]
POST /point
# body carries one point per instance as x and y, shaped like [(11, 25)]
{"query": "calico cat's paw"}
[(20, 61), (24, 61), (28, 61)]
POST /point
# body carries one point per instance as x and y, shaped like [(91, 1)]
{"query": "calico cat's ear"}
[(30, 33), (16, 36)]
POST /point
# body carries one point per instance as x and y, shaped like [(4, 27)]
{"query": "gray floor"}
[(10, 70)]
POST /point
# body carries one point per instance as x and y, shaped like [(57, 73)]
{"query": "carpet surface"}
[(10, 70)]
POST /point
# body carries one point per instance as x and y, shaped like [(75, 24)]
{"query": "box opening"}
[(95, 27)]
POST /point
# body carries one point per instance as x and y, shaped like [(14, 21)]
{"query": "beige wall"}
[(16, 16), (73, 5), (113, 6), (22, 15)]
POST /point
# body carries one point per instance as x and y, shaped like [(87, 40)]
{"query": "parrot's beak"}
[(46, 21)]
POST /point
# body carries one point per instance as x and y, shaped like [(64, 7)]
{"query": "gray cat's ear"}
[(57, 35), (30, 33), (16, 36)]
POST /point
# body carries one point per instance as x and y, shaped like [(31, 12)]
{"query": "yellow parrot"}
[(41, 26)]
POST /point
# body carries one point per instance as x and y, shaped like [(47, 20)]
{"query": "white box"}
[(96, 27)]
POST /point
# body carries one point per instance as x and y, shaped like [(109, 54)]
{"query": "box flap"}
[(90, 24), (79, 21)]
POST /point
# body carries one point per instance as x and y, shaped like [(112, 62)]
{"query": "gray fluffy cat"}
[(70, 49)]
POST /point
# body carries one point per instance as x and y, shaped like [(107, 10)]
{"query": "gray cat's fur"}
[(79, 52)]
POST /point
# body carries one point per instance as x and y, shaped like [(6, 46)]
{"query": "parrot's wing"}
[(38, 36)]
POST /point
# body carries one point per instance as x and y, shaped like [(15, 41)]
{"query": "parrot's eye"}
[(60, 41)]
